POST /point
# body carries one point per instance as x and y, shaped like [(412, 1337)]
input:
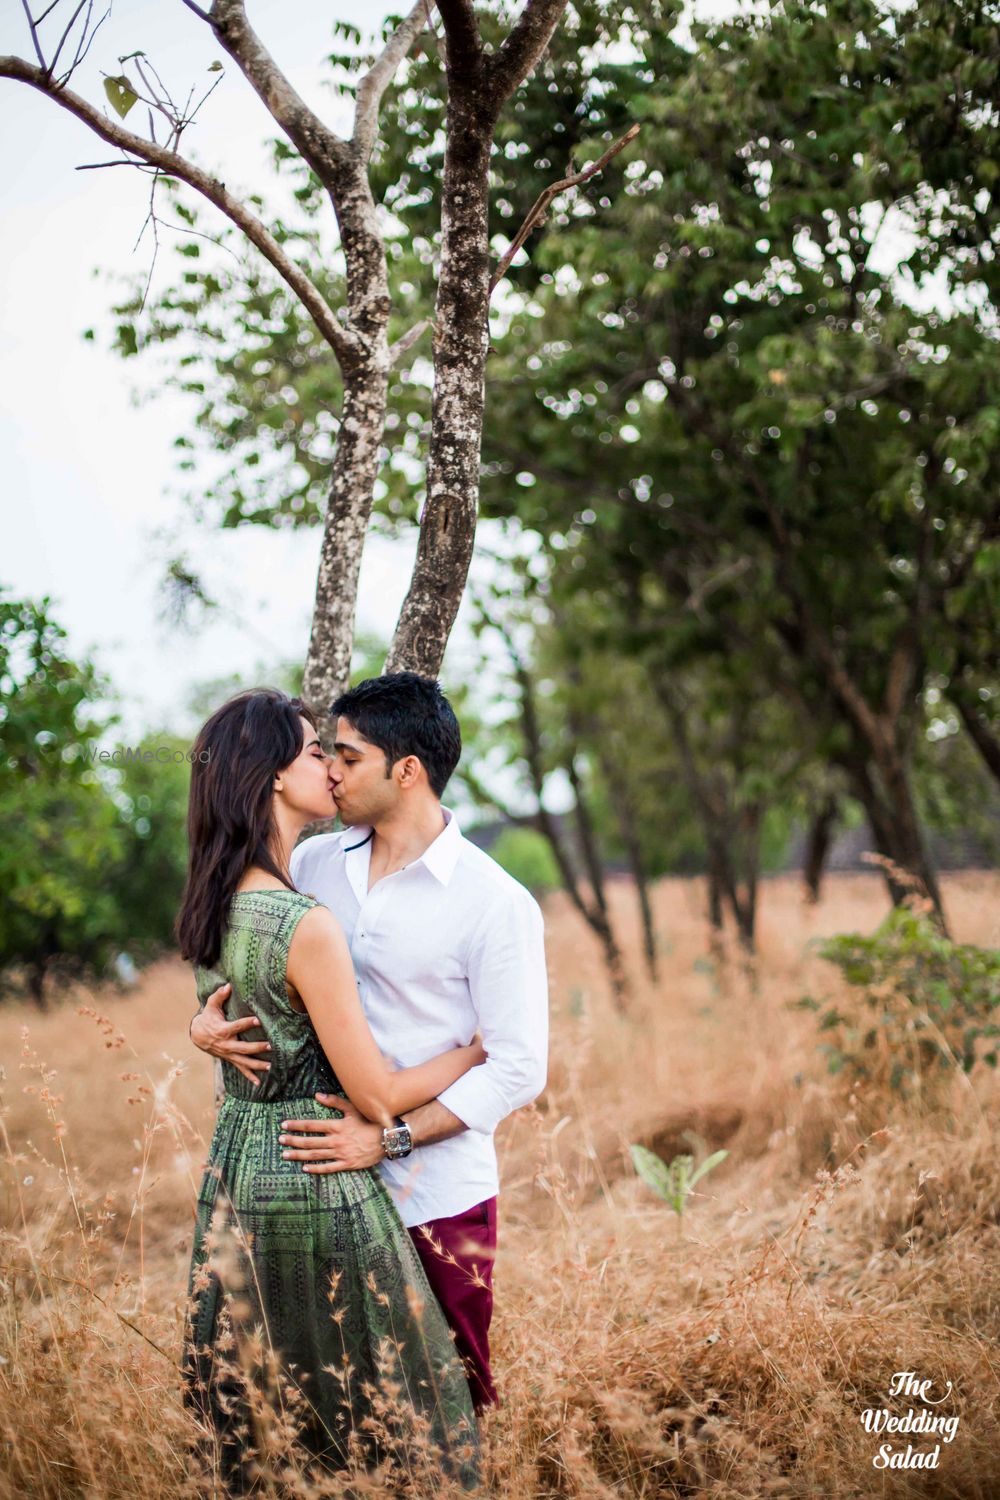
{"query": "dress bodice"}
[(254, 959)]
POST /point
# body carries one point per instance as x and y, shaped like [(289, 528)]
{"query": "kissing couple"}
[(378, 1000)]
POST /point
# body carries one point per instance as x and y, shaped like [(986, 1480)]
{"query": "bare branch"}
[(316, 143), (541, 204), (94, 166), (407, 340), (345, 344), (33, 28), (84, 44), (375, 82), (198, 11), (69, 27), (523, 48)]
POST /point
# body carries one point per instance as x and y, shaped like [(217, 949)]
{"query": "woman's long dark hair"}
[(230, 824)]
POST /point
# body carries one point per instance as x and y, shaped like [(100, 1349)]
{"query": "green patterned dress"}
[(309, 1311)]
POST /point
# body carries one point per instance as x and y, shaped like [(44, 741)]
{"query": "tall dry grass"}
[(846, 1236)]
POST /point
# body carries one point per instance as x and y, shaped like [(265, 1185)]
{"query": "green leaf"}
[(707, 1165), (653, 1170), (121, 94)]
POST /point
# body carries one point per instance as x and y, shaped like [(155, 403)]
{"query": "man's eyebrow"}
[(346, 745)]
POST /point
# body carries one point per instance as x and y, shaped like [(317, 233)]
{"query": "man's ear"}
[(409, 770)]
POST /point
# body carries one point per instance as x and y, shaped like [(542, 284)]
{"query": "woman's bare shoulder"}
[(317, 933)]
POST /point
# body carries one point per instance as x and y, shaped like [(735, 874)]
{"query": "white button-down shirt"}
[(445, 947)]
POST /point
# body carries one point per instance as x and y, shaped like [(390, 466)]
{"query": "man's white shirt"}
[(448, 946)]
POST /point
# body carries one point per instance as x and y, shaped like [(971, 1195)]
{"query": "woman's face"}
[(304, 786)]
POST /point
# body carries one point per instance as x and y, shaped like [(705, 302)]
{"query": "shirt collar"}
[(440, 856)]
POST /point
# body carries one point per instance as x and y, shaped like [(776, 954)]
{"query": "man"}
[(444, 943)]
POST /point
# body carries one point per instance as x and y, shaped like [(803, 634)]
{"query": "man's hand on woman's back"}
[(212, 1033)]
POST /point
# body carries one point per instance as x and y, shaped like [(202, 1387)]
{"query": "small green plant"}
[(673, 1180), (927, 1005)]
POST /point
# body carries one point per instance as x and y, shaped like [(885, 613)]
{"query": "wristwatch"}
[(396, 1140)]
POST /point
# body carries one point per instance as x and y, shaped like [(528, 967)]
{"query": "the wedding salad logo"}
[(918, 1420)]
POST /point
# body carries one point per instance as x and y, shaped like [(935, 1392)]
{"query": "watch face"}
[(397, 1141)]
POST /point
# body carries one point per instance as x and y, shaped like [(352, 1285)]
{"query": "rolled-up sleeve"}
[(508, 986)]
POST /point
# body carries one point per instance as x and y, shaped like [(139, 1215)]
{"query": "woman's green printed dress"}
[(308, 1306)]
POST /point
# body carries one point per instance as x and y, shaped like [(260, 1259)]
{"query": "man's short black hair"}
[(405, 714)]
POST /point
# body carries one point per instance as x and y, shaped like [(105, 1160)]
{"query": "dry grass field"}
[(844, 1238)]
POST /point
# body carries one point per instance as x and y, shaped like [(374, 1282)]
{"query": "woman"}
[(310, 1313)]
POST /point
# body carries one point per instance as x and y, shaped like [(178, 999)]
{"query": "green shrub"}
[(927, 1005)]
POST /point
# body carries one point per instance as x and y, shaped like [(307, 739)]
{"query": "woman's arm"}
[(320, 968)]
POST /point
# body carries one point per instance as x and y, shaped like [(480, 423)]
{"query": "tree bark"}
[(818, 841), (448, 522), (895, 831), (715, 890), (715, 822), (628, 828), (37, 971), (478, 88), (601, 918), (594, 912), (355, 467)]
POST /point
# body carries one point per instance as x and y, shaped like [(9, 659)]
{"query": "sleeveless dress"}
[(309, 1312)]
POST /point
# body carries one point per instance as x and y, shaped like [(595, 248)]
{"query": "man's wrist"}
[(397, 1141), (433, 1122)]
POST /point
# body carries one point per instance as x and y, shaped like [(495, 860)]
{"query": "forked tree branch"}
[(316, 143), (345, 344), (523, 48)]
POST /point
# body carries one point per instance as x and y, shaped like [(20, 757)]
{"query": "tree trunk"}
[(818, 841), (715, 822), (37, 971), (625, 815), (880, 734), (355, 466), (593, 912), (637, 865), (745, 904), (896, 831), (461, 340), (600, 918), (714, 892)]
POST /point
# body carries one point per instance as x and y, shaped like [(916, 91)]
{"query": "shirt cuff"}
[(478, 1103)]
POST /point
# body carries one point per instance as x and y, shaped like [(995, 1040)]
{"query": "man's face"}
[(361, 789)]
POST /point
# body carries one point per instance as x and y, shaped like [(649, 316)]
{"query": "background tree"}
[(63, 842), (751, 410)]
